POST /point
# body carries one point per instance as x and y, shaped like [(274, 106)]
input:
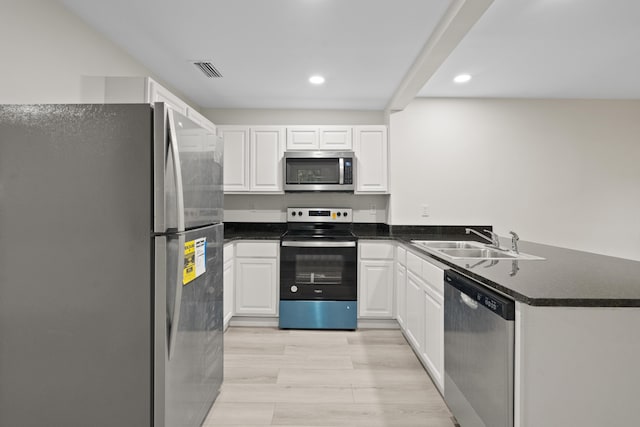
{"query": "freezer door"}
[(188, 173), (188, 326)]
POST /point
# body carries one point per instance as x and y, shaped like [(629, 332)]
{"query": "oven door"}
[(318, 270)]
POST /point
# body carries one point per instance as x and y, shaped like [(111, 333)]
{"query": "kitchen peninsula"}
[(576, 318)]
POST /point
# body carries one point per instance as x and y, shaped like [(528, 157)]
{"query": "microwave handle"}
[(341, 160)]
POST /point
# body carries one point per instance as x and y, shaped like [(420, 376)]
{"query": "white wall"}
[(272, 208), (562, 172), (48, 55)]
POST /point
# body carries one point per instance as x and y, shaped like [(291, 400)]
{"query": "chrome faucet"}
[(514, 242), (494, 240)]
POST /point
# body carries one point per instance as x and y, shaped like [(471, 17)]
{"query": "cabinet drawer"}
[(401, 255), (414, 264), (257, 249), (434, 276), (376, 251), (228, 252)]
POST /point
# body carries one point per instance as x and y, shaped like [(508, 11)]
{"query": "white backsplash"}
[(272, 208)]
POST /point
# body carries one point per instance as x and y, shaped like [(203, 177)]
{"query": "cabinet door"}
[(433, 351), (266, 154), (401, 294), (414, 321), (370, 146), (228, 301), (376, 289), (302, 138), (236, 157), (336, 138), (256, 286), (201, 120), (159, 93)]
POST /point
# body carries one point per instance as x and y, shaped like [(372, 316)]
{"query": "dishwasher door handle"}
[(468, 301)]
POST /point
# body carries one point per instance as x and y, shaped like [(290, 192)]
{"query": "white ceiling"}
[(267, 49), (547, 49)]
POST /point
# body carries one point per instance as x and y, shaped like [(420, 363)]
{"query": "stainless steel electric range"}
[(318, 270)]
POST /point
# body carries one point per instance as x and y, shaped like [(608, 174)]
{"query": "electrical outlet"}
[(372, 209), (424, 210)]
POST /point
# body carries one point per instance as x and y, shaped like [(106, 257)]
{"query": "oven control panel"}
[(319, 215)]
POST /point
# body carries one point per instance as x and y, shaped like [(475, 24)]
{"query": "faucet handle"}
[(514, 241)]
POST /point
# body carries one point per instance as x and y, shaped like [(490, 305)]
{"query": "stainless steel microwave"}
[(319, 171)]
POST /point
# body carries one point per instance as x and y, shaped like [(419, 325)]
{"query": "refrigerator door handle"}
[(175, 319), (177, 170)]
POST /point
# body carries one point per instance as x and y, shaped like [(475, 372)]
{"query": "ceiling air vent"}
[(208, 69)]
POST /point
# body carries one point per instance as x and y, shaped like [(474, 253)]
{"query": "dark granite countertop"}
[(565, 278), (253, 231)]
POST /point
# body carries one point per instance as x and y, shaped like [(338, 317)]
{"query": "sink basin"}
[(451, 245), (447, 245), (460, 249), (477, 253)]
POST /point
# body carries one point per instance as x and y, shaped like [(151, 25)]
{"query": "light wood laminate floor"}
[(324, 379)]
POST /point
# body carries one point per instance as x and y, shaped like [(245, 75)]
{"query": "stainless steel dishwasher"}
[(478, 353)]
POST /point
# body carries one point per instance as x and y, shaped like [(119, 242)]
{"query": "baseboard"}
[(378, 324), (270, 322), (265, 322)]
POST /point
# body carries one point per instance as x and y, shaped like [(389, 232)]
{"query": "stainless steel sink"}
[(451, 245), (437, 244), (477, 253), (461, 249)]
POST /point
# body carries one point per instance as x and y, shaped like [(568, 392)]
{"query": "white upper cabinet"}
[(266, 152), (336, 138), (158, 93), (303, 138), (329, 138), (252, 158), (127, 90), (371, 150), (236, 157), (201, 120)]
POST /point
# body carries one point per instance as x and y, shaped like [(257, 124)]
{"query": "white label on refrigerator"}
[(195, 259)]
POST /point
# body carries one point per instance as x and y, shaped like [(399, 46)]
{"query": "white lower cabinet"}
[(401, 294), (401, 285), (256, 281), (371, 150), (433, 348), (375, 277), (414, 323), (229, 284), (423, 320)]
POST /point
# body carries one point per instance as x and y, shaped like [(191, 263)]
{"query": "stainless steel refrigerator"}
[(110, 266)]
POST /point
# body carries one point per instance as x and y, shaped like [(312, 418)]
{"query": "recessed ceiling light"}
[(316, 80), (462, 78)]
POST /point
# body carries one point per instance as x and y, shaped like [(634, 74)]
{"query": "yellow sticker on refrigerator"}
[(194, 259)]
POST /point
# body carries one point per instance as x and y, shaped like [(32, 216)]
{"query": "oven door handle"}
[(305, 244)]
